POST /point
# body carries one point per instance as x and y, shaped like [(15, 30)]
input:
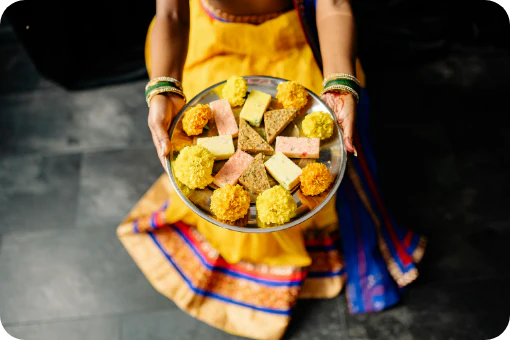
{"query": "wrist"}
[(163, 85), (341, 83), (167, 98), (160, 98)]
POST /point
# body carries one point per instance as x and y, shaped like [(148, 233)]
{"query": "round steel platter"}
[(332, 154)]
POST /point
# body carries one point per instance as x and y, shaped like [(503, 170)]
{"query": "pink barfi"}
[(233, 169), (298, 147), (224, 118)]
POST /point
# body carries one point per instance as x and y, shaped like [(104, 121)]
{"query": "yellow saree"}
[(244, 284)]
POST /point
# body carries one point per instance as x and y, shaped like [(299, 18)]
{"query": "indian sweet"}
[(275, 121), (298, 147), (254, 178), (222, 147), (233, 169), (250, 141), (255, 106), (283, 170), (224, 118)]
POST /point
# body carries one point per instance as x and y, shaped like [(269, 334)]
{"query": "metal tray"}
[(332, 154)]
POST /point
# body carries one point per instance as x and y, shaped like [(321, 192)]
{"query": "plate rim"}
[(300, 220)]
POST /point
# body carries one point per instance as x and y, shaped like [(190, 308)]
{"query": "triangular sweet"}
[(250, 141), (276, 121), (255, 177)]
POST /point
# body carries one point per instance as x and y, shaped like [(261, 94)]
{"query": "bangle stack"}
[(163, 85), (342, 82)]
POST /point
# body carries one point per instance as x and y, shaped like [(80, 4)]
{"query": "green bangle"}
[(344, 82), (161, 84), (163, 89)]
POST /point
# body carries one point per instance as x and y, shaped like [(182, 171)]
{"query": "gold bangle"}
[(158, 79), (340, 75), (162, 90), (341, 88)]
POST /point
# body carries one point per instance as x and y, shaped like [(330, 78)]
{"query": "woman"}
[(247, 284)]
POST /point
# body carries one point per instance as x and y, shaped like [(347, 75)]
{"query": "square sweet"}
[(222, 147), (254, 107), (224, 118), (283, 170), (233, 169), (298, 147)]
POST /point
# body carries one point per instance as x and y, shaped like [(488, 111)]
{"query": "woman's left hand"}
[(343, 105)]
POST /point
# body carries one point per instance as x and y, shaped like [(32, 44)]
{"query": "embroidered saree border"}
[(165, 279), (225, 287), (327, 265)]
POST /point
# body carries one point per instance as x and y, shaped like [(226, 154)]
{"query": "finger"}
[(159, 129), (349, 146), (156, 139), (163, 139), (162, 159), (348, 128), (152, 122)]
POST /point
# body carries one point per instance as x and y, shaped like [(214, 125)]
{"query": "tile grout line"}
[(119, 327), (79, 151), (84, 318), (50, 86)]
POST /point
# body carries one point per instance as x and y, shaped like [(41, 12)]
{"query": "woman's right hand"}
[(161, 112)]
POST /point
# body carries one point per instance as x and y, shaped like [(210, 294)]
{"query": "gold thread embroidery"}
[(245, 19)]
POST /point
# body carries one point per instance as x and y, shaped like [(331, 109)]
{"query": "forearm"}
[(336, 28), (169, 39)]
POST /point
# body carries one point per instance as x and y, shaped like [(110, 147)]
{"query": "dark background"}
[(75, 155), (84, 44)]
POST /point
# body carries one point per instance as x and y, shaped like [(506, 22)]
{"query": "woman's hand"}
[(343, 105), (161, 112)]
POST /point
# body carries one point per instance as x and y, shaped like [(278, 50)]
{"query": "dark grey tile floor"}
[(72, 164)]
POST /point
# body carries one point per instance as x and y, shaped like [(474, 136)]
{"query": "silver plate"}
[(332, 154)]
